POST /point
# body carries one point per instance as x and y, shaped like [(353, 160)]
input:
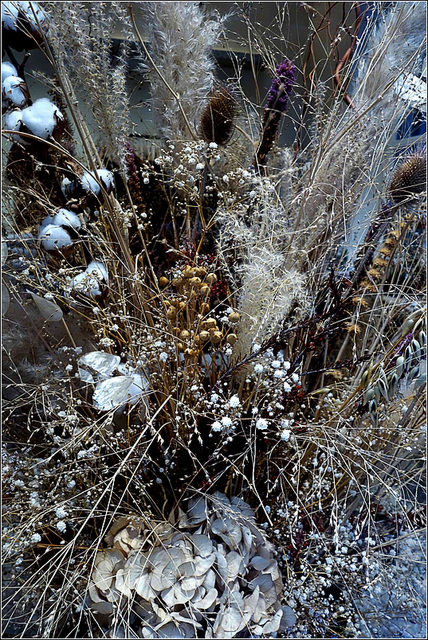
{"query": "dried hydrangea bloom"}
[(226, 567)]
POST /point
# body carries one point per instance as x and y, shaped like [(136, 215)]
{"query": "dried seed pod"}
[(204, 336), (234, 317), (210, 323), (171, 313), (218, 117), (205, 289), (392, 384), (407, 326), (368, 395), (409, 178), (231, 338), (205, 307), (211, 278), (216, 336), (408, 357), (195, 282), (383, 388), (184, 335), (399, 366), (163, 282), (416, 348), (177, 281), (413, 373)]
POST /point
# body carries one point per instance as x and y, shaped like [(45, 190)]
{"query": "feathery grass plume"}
[(99, 78), (182, 38), (218, 117), (409, 178), (277, 101)]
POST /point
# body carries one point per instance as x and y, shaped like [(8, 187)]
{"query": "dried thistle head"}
[(409, 178), (218, 117)]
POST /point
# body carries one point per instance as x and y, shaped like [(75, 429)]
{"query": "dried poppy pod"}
[(409, 178), (218, 117)]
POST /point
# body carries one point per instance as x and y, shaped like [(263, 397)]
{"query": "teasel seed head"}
[(218, 117), (409, 178)]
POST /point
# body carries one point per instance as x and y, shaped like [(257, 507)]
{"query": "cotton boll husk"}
[(52, 238)]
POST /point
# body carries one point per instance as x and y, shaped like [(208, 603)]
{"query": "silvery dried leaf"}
[(259, 563), (272, 625), (288, 618), (4, 252), (207, 600), (228, 530), (202, 544), (5, 299), (49, 310), (112, 393), (104, 364), (197, 511)]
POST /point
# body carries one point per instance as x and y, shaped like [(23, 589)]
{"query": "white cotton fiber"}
[(67, 218), (107, 178), (91, 185), (9, 14), (41, 117), (89, 282), (13, 89), (7, 69), (53, 238)]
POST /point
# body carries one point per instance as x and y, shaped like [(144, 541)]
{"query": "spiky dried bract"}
[(409, 178), (218, 117)]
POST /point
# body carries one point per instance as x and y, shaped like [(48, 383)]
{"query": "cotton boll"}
[(67, 218), (90, 185), (15, 91), (9, 15), (7, 69), (106, 178), (54, 238), (12, 122), (49, 220), (42, 118), (22, 22), (91, 280)]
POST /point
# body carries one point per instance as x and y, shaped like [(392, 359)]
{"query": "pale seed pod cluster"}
[(406, 368)]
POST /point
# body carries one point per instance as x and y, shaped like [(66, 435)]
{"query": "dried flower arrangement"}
[(214, 358)]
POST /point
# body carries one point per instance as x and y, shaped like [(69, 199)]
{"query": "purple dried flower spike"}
[(278, 96), (281, 87)]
